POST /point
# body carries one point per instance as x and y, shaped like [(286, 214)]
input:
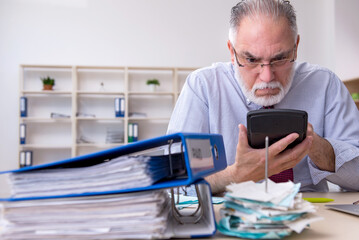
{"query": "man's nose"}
[(266, 73)]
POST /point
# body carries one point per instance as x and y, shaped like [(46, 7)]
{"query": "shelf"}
[(88, 94), (99, 145), (99, 93), (45, 120), (100, 119), (44, 92), (148, 119), (44, 146), (151, 93)]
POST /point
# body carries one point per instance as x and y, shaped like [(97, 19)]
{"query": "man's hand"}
[(250, 163), (321, 152)]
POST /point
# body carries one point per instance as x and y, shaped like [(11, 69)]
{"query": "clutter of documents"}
[(118, 193), (137, 215), (124, 172), (251, 212)]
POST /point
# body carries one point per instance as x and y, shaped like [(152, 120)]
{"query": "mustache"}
[(264, 85)]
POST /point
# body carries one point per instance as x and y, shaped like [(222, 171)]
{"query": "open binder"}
[(189, 158)]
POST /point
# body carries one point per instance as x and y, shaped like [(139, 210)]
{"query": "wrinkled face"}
[(263, 41)]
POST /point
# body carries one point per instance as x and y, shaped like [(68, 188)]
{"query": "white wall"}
[(347, 38), (138, 33), (316, 29)]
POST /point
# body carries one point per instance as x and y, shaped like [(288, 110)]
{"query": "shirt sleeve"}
[(191, 111), (342, 132)]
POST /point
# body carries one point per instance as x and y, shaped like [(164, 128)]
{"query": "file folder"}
[(135, 132), (119, 107), (22, 159), (191, 157), (135, 215), (23, 107), (122, 107), (22, 132), (130, 133), (25, 159)]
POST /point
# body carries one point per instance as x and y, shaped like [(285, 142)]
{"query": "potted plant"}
[(48, 83), (153, 83)]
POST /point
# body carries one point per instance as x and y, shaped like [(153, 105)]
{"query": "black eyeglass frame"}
[(270, 64)]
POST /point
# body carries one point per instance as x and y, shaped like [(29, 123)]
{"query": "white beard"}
[(265, 100)]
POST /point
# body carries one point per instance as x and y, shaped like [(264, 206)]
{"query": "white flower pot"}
[(153, 87)]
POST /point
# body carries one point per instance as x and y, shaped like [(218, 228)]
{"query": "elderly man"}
[(263, 43)]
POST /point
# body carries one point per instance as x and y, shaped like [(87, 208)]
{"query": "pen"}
[(356, 202)]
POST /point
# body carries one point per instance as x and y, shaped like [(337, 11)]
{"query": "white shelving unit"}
[(85, 96), (353, 87)]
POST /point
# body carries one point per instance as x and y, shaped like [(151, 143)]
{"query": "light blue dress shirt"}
[(212, 101)]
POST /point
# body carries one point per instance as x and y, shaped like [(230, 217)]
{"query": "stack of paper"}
[(124, 172), (114, 136), (136, 215), (251, 212)]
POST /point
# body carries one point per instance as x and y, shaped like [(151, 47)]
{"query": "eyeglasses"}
[(253, 64)]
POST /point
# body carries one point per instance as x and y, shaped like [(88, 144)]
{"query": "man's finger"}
[(282, 144), (242, 136)]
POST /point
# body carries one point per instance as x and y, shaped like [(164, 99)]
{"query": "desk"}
[(334, 226)]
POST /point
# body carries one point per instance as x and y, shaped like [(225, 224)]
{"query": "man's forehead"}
[(263, 29), (263, 36)]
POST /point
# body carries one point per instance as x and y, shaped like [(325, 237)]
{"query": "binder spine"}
[(22, 159), (130, 132), (117, 107), (23, 107), (25, 159), (22, 133), (122, 107), (135, 132), (28, 158)]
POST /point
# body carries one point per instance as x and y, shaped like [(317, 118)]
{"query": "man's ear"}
[(296, 49), (230, 48)]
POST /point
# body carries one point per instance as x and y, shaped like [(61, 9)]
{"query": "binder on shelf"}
[(186, 157), (22, 159), (23, 107), (28, 158), (119, 107), (22, 133), (135, 132), (25, 159), (130, 133)]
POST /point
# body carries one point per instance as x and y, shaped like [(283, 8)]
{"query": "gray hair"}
[(253, 8)]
